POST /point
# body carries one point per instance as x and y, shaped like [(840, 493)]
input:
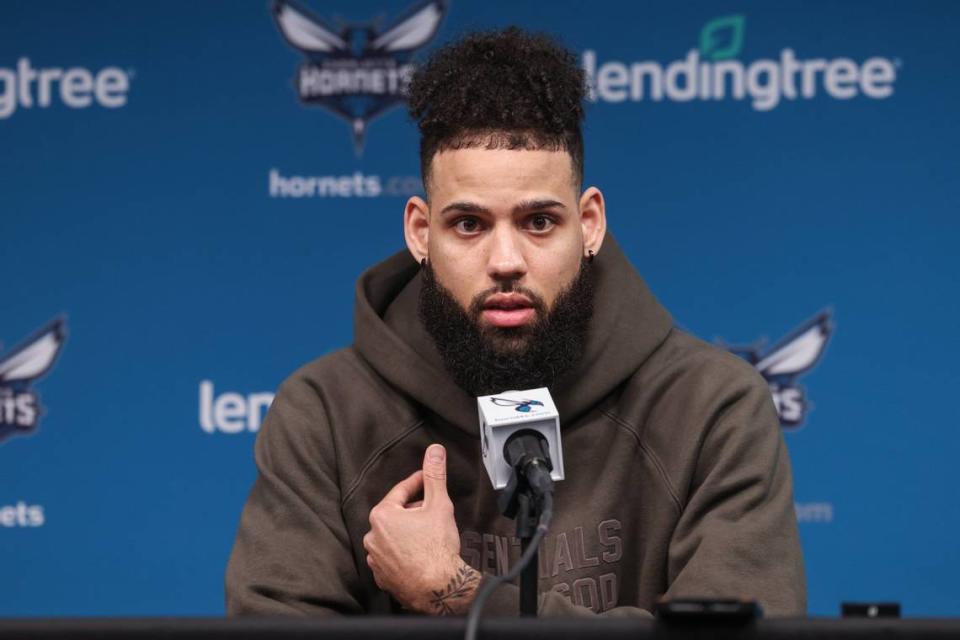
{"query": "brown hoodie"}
[(677, 477)]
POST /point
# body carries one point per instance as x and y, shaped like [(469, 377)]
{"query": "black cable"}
[(476, 609)]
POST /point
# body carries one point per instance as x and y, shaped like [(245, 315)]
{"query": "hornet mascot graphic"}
[(357, 71), (783, 363), (20, 407)]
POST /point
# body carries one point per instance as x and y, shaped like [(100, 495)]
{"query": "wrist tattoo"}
[(450, 600)]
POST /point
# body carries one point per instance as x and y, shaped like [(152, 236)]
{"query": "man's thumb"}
[(434, 473)]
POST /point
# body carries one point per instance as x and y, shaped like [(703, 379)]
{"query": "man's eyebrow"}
[(464, 207), (536, 205), (520, 207)]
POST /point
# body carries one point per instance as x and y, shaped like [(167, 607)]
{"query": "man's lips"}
[(508, 310)]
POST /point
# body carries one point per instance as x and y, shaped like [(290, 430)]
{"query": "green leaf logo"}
[(722, 38)]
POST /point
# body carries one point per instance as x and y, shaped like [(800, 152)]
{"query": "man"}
[(372, 496)]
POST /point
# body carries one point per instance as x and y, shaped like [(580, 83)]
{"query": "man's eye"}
[(541, 223), (467, 225)]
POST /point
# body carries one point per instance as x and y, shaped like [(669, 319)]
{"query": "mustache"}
[(508, 286)]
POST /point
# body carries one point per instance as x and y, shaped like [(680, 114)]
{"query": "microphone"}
[(520, 432), (520, 444), (528, 453)]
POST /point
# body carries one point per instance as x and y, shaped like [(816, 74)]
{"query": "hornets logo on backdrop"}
[(20, 408), (786, 361), (356, 71)]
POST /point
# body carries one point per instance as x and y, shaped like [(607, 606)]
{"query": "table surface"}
[(358, 628)]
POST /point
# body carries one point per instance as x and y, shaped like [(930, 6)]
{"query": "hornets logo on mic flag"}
[(518, 405)]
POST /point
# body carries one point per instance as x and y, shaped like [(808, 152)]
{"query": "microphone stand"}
[(519, 501)]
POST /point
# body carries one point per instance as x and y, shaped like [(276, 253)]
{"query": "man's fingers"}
[(416, 504), (405, 490), (434, 474), (376, 572)]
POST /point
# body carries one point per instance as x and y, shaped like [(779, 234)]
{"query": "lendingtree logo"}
[(722, 38), (26, 87), (714, 71)]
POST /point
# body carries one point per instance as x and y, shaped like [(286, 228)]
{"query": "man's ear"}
[(416, 227), (593, 220)]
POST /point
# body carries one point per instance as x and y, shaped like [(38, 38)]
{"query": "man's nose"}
[(506, 261)]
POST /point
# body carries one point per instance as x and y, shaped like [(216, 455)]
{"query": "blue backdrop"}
[(189, 232)]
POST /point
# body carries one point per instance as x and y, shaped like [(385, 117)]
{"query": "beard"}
[(484, 359)]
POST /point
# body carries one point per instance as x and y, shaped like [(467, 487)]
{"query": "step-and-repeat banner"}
[(188, 191)]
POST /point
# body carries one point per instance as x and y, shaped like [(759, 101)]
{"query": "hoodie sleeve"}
[(736, 536), (292, 554)]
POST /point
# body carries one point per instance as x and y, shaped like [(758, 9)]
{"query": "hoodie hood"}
[(628, 325)]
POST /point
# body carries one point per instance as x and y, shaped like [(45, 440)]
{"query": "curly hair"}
[(503, 89)]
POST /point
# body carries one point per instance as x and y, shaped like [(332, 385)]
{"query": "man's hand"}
[(413, 548)]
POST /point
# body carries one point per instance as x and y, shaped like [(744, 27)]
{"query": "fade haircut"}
[(500, 90)]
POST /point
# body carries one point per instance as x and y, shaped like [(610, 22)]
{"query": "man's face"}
[(504, 234), (508, 292)]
